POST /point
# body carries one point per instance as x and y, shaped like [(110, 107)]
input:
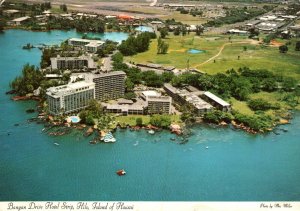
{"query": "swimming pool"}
[(74, 119)]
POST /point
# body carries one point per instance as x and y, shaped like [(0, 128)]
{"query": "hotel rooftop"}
[(59, 91)]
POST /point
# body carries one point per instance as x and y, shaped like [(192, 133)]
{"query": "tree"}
[(30, 80), (2, 24), (134, 45), (95, 108), (129, 85), (183, 30), (240, 88), (163, 32), (139, 121), (283, 49), (253, 32), (216, 116), (117, 57), (269, 85), (199, 30), (205, 82), (297, 47), (259, 104), (176, 31), (89, 120), (167, 76), (162, 121), (129, 95), (289, 84), (152, 79), (63, 7), (162, 46)]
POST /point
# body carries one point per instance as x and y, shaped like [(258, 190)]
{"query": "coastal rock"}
[(89, 131), (284, 121), (175, 128), (50, 118), (223, 123)]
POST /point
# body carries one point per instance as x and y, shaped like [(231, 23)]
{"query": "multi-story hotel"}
[(108, 85), (191, 98), (150, 102), (70, 98), (71, 63), (88, 45), (159, 105)]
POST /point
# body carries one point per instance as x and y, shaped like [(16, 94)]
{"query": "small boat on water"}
[(121, 172), (109, 138), (173, 139), (56, 144), (93, 142), (206, 147), (151, 131)]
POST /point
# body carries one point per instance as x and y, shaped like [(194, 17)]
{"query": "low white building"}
[(70, 98), (268, 18), (216, 101), (237, 31), (86, 44), (19, 21)]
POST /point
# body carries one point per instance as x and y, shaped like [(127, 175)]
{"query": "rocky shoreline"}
[(174, 128)]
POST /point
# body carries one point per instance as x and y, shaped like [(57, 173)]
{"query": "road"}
[(106, 64)]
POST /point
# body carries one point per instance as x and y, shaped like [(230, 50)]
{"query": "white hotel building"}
[(70, 98), (88, 45)]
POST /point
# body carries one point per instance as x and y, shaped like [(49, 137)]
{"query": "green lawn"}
[(241, 106), (255, 57), (177, 54), (131, 119)]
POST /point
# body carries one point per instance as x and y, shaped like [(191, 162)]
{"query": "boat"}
[(121, 172), (109, 138), (173, 139), (55, 143), (206, 147), (93, 142), (151, 131)]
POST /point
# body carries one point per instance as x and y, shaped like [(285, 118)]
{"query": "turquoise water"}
[(75, 119), (236, 165), (144, 28), (195, 51)]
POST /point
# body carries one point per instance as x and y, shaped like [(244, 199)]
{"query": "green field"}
[(256, 56), (241, 106), (131, 119)]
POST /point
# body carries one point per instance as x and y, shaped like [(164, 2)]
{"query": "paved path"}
[(2, 2), (220, 51)]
